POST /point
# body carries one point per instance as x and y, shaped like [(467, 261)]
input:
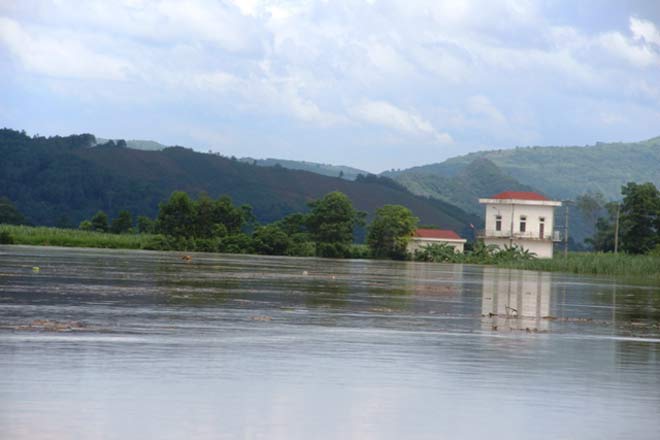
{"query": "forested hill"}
[(64, 179), (561, 172), (325, 169), (479, 178)]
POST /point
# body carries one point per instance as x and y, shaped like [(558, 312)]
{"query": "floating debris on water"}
[(261, 318), (52, 326)]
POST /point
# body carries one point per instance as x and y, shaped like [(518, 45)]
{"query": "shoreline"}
[(645, 268)]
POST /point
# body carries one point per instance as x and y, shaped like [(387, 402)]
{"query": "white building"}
[(424, 237), (524, 219)]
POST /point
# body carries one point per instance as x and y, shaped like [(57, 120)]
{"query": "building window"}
[(498, 222), (541, 227), (523, 223)]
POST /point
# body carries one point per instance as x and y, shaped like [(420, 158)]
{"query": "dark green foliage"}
[(100, 222), (331, 223), (6, 238), (122, 224), (293, 223), (145, 225), (271, 240), (9, 214), (86, 225), (390, 231), (640, 217), (51, 177), (240, 243), (176, 217), (603, 238)]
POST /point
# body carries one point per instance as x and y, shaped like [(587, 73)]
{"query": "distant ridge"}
[(559, 172), (137, 144), (345, 172), (58, 179)]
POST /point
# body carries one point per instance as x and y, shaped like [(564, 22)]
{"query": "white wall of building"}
[(533, 215), (511, 213)]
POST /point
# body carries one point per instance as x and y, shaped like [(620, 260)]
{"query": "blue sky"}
[(369, 83)]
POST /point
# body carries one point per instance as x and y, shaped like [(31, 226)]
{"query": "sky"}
[(374, 84)]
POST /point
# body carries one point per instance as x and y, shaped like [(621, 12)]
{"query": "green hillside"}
[(63, 179), (480, 178), (562, 172), (345, 172)]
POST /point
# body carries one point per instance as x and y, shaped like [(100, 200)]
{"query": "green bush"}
[(6, 238)]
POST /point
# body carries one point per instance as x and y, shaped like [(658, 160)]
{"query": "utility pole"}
[(566, 202), (616, 228)]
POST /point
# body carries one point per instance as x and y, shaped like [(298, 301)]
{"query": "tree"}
[(271, 240), (100, 222), (640, 217), (389, 232), (122, 223), (295, 223), (331, 222), (603, 238), (9, 214), (85, 225), (176, 217), (204, 217), (590, 205), (232, 217), (145, 225)]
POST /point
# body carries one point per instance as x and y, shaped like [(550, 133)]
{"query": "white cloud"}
[(502, 73), (644, 29), (59, 55), (387, 115), (637, 54), (481, 105)]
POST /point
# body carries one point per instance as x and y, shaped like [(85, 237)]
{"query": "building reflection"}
[(516, 300)]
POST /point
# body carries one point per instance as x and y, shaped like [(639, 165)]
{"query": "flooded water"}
[(100, 344)]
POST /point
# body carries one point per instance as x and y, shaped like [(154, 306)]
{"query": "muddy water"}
[(125, 344)]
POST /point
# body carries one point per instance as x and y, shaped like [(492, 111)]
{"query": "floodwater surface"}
[(102, 344)]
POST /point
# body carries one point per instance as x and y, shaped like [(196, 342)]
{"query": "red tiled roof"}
[(519, 195), (436, 233)]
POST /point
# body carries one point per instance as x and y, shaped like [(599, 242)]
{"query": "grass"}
[(634, 266), (46, 236)]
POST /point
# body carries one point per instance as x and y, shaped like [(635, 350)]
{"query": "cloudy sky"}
[(377, 84)]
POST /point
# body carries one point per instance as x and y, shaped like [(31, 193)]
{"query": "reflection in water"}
[(268, 347), (516, 300)]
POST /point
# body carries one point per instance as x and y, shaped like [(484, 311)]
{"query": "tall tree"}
[(640, 217), (9, 214), (100, 222), (603, 238), (122, 223), (331, 223), (389, 232), (176, 217)]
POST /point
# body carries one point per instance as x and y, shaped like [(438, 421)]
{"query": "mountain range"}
[(61, 180)]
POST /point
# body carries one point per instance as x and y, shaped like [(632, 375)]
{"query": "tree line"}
[(632, 225), (218, 225)]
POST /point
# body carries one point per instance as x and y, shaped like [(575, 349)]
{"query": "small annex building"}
[(521, 218), (426, 236)]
